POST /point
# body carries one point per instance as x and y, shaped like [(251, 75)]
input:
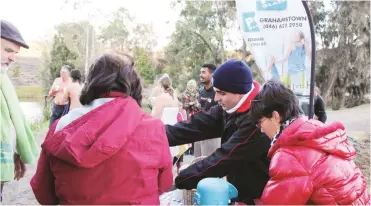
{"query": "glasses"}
[(258, 125), (255, 100)]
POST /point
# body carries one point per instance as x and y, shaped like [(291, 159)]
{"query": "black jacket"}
[(319, 109), (206, 98), (242, 156)]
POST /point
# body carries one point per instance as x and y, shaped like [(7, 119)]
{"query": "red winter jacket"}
[(313, 163), (114, 154)]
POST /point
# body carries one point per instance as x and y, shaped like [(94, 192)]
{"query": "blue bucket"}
[(214, 191)]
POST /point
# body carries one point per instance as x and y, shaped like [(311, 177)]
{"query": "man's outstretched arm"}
[(201, 126), (247, 144)]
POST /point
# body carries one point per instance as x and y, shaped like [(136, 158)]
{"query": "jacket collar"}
[(247, 103), (114, 94)]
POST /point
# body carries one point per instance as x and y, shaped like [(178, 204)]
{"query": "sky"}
[(36, 18)]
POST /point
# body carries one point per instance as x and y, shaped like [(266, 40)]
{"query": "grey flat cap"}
[(10, 32)]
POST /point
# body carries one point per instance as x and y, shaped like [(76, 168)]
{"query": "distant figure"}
[(166, 107), (207, 93), (73, 90), (166, 98), (156, 91), (207, 100), (190, 97), (319, 106), (57, 91)]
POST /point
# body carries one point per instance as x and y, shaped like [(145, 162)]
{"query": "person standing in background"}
[(190, 97), (57, 91), (73, 91), (166, 108), (166, 99), (206, 99), (207, 93), (319, 106)]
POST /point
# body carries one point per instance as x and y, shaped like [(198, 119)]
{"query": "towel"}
[(11, 115)]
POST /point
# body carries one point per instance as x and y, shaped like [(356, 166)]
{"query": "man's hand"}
[(19, 167)]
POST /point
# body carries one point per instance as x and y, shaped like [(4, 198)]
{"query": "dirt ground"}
[(356, 121), (357, 124)]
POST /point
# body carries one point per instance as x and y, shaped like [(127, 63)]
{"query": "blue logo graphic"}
[(271, 5), (249, 23), (6, 153)]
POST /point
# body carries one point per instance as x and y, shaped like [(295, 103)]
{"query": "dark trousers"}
[(1, 192), (66, 109), (57, 112), (176, 160)]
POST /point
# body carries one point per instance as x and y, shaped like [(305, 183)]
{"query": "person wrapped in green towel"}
[(21, 149)]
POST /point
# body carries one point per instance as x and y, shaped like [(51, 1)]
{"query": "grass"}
[(39, 127), (30, 93), (146, 109)]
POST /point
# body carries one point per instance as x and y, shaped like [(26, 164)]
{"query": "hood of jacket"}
[(96, 135), (314, 134)]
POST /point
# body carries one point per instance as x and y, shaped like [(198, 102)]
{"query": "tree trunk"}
[(245, 53), (87, 51)]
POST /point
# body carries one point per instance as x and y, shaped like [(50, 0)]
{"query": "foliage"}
[(15, 68), (79, 38), (115, 34), (29, 93), (59, 55), (201, 35), (144, 66), (123, 34), (199, 38), (38, 127), (343, 60)]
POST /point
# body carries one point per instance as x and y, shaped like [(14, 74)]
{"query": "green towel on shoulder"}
[(11, 114)]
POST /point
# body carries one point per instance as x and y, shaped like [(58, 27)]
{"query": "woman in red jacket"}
[(310, 162), (107, 151)]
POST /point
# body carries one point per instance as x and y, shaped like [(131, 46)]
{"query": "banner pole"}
[(313, 60)]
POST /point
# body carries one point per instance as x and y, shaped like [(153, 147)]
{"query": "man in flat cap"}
[(21, 148), (11, 42)]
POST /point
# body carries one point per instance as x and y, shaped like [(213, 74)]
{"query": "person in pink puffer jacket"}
[(311, 162)]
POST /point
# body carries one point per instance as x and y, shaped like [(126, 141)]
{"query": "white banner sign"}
[(277, 33)]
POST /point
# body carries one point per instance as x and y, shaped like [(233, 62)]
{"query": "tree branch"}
[(206, 43)]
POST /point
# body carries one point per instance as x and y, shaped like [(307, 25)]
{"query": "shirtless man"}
[(73, 90), (57, 91)]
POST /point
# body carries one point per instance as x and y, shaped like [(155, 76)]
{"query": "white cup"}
[(177, 195)]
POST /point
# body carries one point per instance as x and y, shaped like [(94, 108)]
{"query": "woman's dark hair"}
[(76, 76), (211, 67), (111, 73), (275, 97)]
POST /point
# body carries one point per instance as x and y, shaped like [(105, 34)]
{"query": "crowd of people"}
[(101, 148)]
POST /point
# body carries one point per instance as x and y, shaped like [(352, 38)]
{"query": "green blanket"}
[(11, 115)]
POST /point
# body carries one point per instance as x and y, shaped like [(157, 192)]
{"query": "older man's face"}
[(8, 52)]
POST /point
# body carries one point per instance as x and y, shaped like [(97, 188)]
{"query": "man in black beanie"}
[(243, 154)]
